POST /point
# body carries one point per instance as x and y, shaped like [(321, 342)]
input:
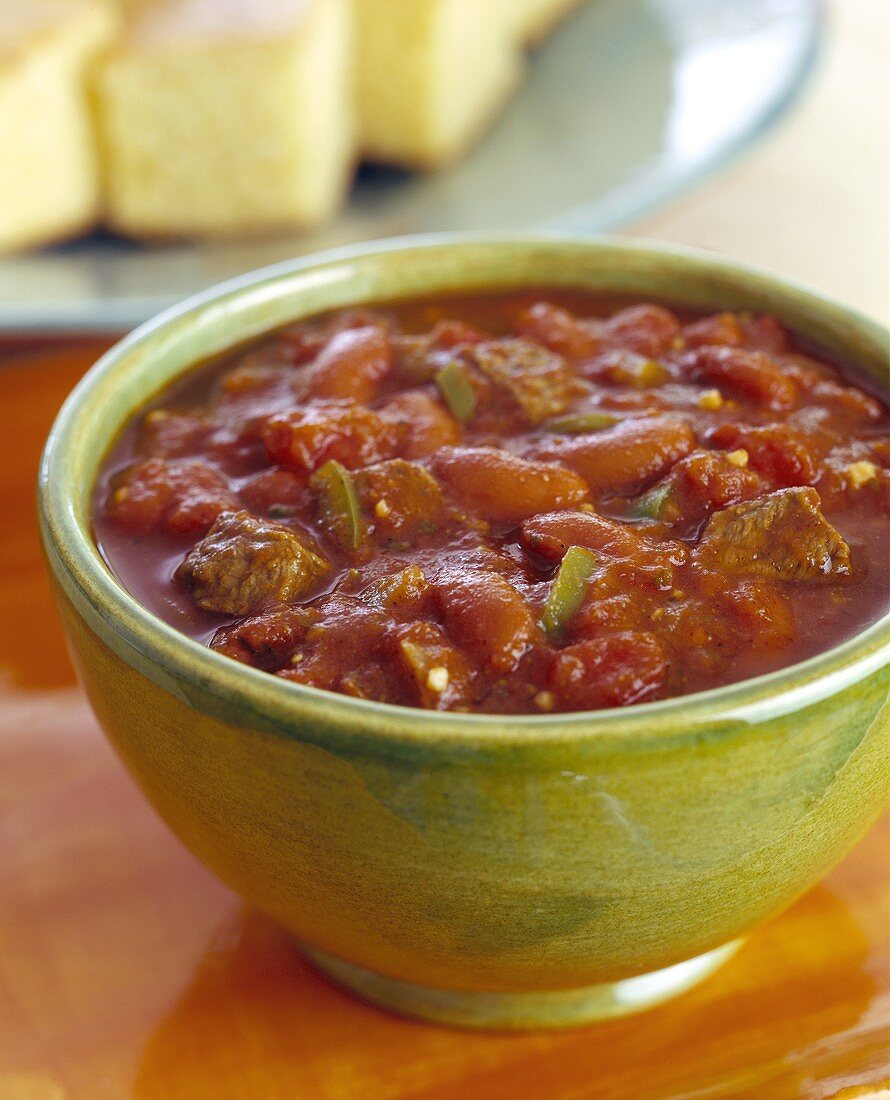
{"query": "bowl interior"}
[(225, 317)]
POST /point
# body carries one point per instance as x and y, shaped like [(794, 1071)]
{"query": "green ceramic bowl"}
[(485, 871)]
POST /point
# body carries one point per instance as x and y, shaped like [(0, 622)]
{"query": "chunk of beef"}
[(783, 536), (244, 563), (535, 379), (402, 499)]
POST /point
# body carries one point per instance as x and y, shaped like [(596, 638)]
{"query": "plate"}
[(625, 106)]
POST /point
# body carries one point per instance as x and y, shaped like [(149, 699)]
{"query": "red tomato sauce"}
[(514, 503)]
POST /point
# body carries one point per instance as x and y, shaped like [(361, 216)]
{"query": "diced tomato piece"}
[(275, 493), (374, 681), (857, 471), (265, 640), (307, 438), (765, 333), (423, 423), (451, 334), (750, 374), (762, 613), (164, 434), (608, 672), (647, 329), (705, 481), (645, 402), (778, 451), (300, 345), (623, 367), (853, 401), (405, 593), (612, 612), (182, 496), (503, 488), (439, 671), (805, 371), (816, 380), (251, 377), (347, 634), (560, 330), (720, 328)]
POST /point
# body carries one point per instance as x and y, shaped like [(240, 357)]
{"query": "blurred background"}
[(155, 147)]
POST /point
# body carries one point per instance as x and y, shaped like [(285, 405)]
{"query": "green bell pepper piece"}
[(457, 390), (567, 590), (338, 504), (579, 423)]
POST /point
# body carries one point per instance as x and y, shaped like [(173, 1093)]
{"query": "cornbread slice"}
[(534, 19), (431, 74), (49, 180), (227, 117)]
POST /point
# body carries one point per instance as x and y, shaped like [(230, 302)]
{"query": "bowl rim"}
[(75, 557)]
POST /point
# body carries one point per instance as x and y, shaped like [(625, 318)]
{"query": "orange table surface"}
[(127, 970)]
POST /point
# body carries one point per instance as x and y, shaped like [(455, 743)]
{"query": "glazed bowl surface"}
[(481, 870)]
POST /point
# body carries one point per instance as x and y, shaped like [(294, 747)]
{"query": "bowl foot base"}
[(518, 1011)]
